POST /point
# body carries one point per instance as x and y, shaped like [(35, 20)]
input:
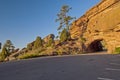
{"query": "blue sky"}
[(21, 21)]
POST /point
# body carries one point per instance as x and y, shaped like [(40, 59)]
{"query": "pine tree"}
[(9, 46), (38, 43), (4, 54), (7, 49), (64, 19)]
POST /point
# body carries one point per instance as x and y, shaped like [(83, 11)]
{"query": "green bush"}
[(27, 56), (59, 51), (64, 36), (50, 43), (117, 50), (2, 58), (38, 43)]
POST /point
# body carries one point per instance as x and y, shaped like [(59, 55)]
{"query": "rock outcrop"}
[(100, 23), (47, 38)]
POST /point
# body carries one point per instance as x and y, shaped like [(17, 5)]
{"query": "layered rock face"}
[(100, 23)]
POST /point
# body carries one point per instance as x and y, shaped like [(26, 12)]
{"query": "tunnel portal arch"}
[(95, 46)]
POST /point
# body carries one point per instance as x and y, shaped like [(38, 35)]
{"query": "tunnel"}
[(95, 46)]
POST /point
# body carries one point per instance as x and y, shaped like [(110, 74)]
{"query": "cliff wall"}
[(100, 23)]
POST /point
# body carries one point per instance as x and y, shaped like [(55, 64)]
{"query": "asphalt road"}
[(78, 67)]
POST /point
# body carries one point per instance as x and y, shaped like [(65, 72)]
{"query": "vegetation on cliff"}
[(38, 43), (117, 50), (64, 36)]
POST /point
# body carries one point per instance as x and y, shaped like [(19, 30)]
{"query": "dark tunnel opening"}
[(95, 46)]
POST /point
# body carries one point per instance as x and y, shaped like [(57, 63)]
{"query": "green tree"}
[(38, 43), (4, 54), (9, 46), (7, 49), (64, 35), (63, 18)]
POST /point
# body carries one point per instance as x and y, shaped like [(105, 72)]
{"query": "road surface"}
[(77, 67)]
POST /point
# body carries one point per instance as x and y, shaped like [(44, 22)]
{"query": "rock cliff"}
[(100, 23)]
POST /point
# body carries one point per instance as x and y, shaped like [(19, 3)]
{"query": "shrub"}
[(63, 51), (39, 50), (35, 53), (64, 35), (82, 39), (1, 58), (27, 56), (117, 50), (59, 51), (50, 43), (38, 43)]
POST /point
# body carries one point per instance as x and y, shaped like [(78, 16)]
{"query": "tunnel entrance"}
[(95, 46)]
